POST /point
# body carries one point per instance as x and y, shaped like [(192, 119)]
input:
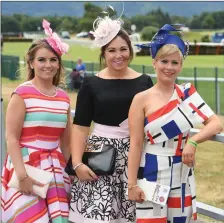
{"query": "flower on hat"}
[(54, 40), (106, 30)]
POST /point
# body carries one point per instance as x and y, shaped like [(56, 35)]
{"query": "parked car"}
[(82, 35), (65, 34)]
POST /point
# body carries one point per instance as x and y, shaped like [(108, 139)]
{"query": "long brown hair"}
[(124, 35), (36, 45)]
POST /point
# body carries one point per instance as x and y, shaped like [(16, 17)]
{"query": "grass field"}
[(88, 55), (197, 35), (209, 166)]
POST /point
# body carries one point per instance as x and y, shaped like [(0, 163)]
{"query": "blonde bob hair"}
[(167, 50)]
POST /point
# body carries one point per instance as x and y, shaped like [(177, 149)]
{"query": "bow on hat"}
[(54, 40), (163, 37)]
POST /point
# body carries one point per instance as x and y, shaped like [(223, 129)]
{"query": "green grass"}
[(197, 35), (88, 55)]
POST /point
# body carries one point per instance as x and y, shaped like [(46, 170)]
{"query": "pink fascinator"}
[(105, 29), (54, 40)]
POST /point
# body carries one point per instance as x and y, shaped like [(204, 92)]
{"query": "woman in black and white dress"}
[(105, 99)]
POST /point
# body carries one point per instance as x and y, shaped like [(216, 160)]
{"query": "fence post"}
[(143, 69), (217, 92), (195, 77), (92, 68), (3, 151)]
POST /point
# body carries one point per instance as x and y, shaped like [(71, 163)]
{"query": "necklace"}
[(54, 90)]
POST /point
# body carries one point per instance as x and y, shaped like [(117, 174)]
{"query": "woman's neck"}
[(166, 88), (116, 73), (42, 84)]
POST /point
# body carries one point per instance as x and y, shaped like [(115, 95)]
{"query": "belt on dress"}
[(107, 131)]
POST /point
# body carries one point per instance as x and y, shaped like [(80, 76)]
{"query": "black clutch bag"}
[(101, 163)]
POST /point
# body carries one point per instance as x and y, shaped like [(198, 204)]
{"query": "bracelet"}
[(132, 186), (192, 143), (75, 167), (22, 178)]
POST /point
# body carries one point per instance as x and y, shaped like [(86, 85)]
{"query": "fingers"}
[(93, 175), (141, 197), (27, 192), (84, 173), (37, 183), (136, 195), (188, 160)]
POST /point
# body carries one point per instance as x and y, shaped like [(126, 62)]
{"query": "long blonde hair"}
[(36, 45)]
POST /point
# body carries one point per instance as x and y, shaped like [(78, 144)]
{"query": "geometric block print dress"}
[(166, 133), (45, 120)]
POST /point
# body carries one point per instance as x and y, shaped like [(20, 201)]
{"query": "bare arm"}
[(14, 123), (136, 127), (65, 138), (79, 139), (212, 127), (78, 142)]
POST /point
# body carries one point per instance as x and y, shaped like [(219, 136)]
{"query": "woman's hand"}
[(26, 186), (188, 155), (136, 194), (84, 173)]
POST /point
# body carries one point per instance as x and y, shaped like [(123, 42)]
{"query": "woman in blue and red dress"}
[(160, 119)]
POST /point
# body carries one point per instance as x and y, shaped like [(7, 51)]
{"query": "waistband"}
[(37, 148), (121, 131)]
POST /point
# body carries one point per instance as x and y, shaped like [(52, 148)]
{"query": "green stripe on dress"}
[(40, 116)]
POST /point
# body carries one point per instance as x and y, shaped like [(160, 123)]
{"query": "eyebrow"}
[(115, 47), (45, 57)]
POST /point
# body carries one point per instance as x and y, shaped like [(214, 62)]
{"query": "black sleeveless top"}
[(107, 101)]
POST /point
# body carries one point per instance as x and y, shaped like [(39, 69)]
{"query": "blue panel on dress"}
[(186, 93), (146, 121), (177, 159), (179, 219), (171, 129), (183, 188), (151, 167)]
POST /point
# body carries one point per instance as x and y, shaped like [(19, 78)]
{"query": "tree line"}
[(73, 24)]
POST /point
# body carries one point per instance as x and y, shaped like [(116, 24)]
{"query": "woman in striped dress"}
[(37, 133)]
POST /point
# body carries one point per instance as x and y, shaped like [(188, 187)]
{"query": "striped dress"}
[(45, 120)]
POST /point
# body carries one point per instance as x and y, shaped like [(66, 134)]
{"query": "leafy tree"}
[(205, 38), (195, 22), (85, 24), (10, 24), (69, 24), (219, 19), (148, 32), (140, 21), (180, 19), (127, 25), (208, 22), (91, 11)]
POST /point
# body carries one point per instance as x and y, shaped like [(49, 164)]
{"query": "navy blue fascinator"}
[(163, 37)]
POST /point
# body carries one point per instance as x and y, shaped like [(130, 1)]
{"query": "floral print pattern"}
[(105, 199)]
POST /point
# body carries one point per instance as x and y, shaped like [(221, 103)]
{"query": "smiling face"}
[(117, 54), (168, 67), (45, 64)]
